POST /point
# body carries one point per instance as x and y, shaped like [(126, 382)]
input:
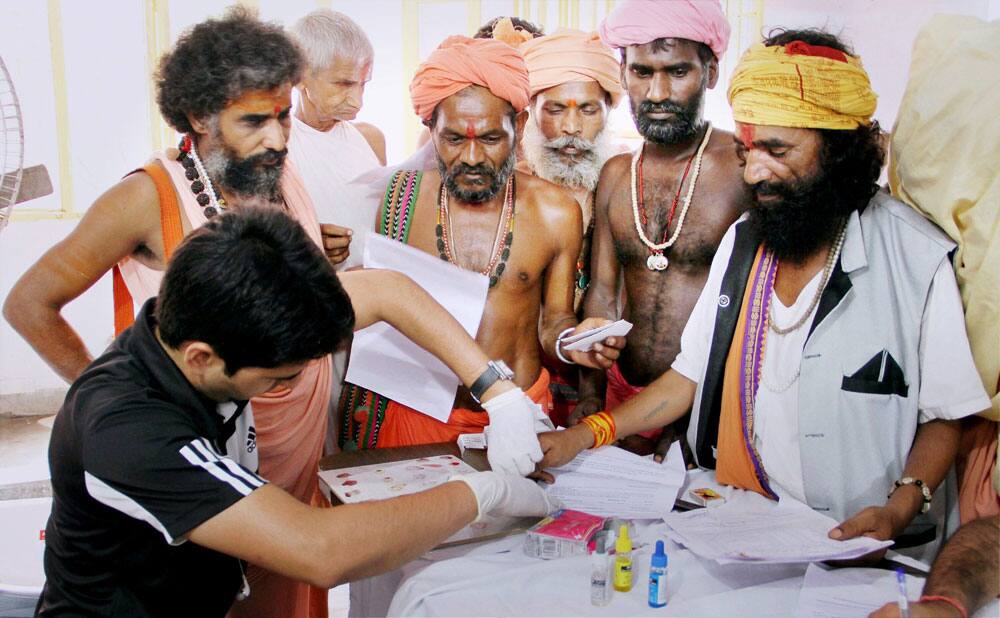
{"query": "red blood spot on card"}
[(348, 483), (343, 475), (455, 463)]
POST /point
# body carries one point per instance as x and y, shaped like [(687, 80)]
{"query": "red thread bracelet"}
[(950, 601)]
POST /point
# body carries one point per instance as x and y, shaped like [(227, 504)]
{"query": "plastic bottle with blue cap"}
[(658, 577)]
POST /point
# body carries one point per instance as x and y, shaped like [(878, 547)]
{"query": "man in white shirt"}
[(826, 359), (328, 149)]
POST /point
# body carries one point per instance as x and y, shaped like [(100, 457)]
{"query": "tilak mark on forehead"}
[(470, 130), (746, 135), (571, 103)]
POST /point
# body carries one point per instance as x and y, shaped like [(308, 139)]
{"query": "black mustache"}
[(480, 169), (648, 107), (269, 157)]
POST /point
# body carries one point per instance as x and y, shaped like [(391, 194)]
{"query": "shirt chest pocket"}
[(880, 375)]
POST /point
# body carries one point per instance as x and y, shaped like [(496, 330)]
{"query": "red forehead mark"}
[(470, 130), (277, 110), (571, 103), (746, 135)]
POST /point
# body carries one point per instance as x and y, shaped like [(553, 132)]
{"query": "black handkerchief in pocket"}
[(881, 375)]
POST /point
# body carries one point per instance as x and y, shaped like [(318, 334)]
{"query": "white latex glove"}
[(507, 494), (511, 444)]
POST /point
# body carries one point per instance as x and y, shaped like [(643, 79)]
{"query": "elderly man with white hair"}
[(326, 146)]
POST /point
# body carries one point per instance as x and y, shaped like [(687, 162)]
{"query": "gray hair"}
[(324, 35)]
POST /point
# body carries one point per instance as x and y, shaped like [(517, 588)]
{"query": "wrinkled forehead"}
[(475, 106), (572, 94), (342, 68), (261, 102), (662, 52), (762, 135)]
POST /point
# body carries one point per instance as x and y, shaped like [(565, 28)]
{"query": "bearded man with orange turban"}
[(826, 359), (475, 211)]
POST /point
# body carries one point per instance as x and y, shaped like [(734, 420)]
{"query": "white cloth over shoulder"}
[(328, 161)]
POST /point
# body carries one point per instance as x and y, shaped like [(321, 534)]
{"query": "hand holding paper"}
[(595, 343)]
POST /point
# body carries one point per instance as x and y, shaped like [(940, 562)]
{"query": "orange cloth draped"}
[(460, 62), (977, 455), (291, 428), (569, 55), (404, 426), (734, 465)]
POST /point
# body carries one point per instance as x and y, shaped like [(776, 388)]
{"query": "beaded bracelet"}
[(602, 425), (950, 601)]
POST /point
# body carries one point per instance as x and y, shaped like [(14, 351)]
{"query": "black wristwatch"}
[(495, 371)]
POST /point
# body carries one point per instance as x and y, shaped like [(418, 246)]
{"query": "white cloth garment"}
[(949, 385), (328, 161)]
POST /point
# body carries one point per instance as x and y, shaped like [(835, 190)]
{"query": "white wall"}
[(107, 87)]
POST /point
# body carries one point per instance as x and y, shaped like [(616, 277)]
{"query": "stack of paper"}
[(611, 482), (847, 593), (584, 341), (787, 532)]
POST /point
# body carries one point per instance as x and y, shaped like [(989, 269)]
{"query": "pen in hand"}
[(902, 602)]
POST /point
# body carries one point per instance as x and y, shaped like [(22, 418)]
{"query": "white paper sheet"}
[(747, 530), (385, 361), (848, 593), (611, 482), (584, 341)]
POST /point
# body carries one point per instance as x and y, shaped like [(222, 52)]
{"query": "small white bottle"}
[(600, 581)]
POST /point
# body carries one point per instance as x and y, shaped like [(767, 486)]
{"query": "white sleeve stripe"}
[(232, 466), (215, 469), (109, 496)]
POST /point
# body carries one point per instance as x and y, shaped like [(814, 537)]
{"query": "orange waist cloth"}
[(619, 391), (404, 426), (977, 456)]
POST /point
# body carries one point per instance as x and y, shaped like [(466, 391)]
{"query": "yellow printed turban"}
[(569, 55), (803, 86), (460, 62)]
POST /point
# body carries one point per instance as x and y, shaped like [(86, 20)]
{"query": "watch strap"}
[(495, 371)]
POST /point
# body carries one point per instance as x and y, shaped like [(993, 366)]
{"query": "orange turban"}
[(569, 55), (460, 62)]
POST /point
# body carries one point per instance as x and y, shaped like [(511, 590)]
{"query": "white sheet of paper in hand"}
[(583, 342), (386, 361)]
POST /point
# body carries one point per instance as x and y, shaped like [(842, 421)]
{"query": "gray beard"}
[(261, 186), (543, 156)]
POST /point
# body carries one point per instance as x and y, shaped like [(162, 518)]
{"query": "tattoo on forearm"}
[(657, 410)]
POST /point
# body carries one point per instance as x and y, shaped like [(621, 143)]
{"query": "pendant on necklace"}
[(657, 261)]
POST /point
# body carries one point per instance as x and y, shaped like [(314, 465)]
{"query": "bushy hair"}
[(853, 157), (218, 61), (251, 284), (486, 30)]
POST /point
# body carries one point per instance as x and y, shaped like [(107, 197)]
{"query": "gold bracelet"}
[(602, 425)]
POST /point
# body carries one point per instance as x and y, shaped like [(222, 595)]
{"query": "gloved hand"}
[(507, 494), (511, 445)]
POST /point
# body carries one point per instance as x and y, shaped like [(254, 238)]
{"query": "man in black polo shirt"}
[(153, 454)]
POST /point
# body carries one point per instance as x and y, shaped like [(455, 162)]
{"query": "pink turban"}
[(635, 22), (569, 55), (460, 62)]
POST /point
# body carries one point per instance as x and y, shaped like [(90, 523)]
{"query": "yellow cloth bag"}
[(944, 161)]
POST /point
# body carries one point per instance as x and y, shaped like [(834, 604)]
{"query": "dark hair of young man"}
[(220, 60), (852, 159), (252, 284)]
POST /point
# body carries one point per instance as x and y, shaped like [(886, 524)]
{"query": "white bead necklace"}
[(213, 197), (831, 261), (658, 261)]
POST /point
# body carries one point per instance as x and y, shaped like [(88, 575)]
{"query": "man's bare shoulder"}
[(551, 199), (132, 204), (616, 168), (375, 138), (721, 149)]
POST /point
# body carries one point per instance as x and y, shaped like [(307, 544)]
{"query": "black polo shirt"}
[(139, 459)]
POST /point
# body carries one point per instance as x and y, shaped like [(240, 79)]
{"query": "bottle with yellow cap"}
[(623, 561)]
